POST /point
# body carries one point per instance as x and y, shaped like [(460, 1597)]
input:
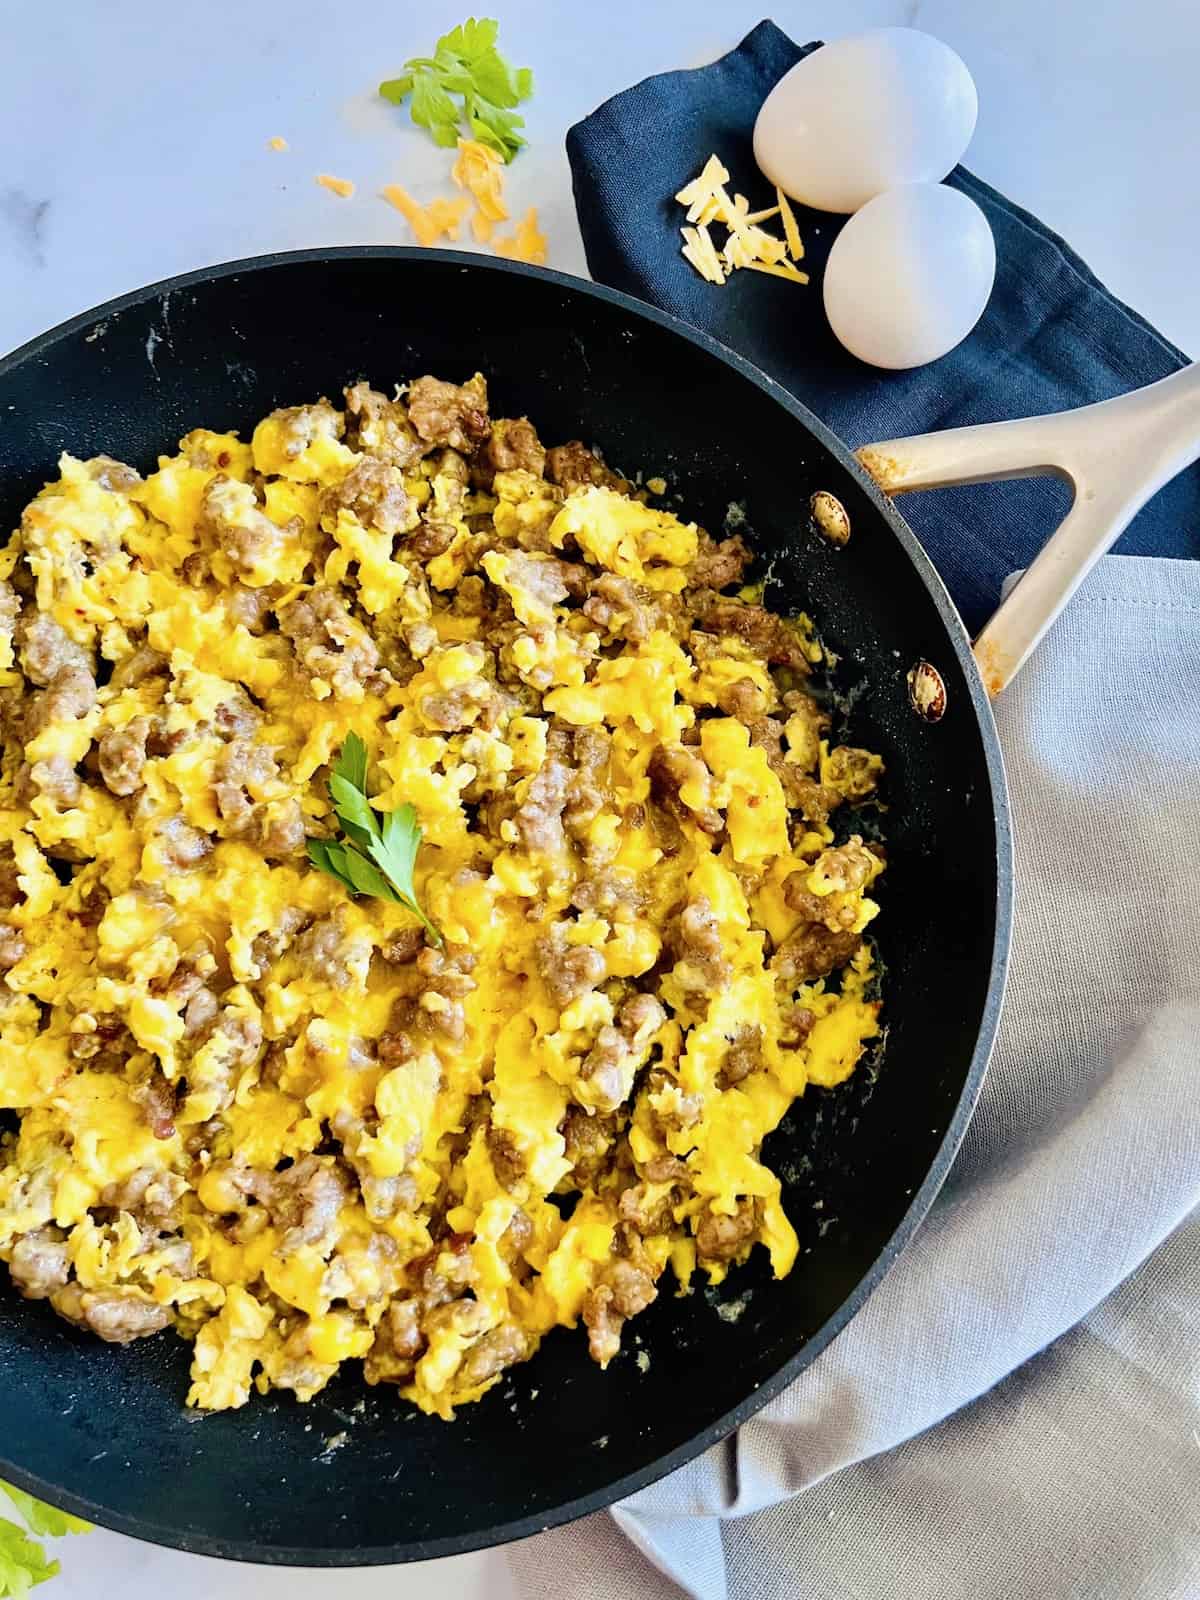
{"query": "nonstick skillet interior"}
[(356, 1476)]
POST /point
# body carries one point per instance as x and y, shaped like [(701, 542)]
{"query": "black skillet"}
[(102, 1430)]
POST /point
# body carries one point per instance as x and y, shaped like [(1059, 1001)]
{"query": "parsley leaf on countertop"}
[(375, 857), (467, 63), (23, 1562)]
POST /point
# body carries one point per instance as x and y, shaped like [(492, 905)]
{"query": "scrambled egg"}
[(240, 1102)]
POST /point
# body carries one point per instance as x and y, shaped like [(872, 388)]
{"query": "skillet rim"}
[(923, 1197)]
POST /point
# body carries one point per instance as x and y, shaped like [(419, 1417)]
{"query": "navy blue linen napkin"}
[(1052, 336)]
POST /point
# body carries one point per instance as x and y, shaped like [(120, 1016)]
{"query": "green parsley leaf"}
[(355, 812), (496, 128), (445, 135), (432, 107), (471, 38), (397, 851), (49, 1521), (23, 1562), (495, 80), (466, 63), (455, 79), (351, 762), (329, 856), (397, 89), (367, 878), (375, 857)]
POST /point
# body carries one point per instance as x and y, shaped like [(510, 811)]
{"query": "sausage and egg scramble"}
[(294, 1122)]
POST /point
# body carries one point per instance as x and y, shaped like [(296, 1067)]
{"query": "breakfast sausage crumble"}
[(284, 1119)]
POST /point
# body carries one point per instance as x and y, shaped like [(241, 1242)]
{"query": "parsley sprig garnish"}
[(23, 1562), (377, 854), (466, 63)]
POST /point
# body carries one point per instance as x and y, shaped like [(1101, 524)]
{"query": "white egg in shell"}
[(860, 115), (909, 275)]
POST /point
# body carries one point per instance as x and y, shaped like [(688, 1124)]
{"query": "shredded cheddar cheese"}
[(699, 249), (526, 244), (778, 269), (481, 172), (339, 186), (790, 231), (277, 144), (747, 243), (441, 218)]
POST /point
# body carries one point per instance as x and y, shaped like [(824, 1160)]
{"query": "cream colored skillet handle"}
[(1115, 455)]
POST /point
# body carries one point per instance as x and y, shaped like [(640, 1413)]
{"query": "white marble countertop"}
[(135, 140)]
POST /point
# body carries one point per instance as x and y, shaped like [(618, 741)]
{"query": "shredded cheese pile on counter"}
[(479, 171), (526, 244), (747, 243), (429, 223)]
